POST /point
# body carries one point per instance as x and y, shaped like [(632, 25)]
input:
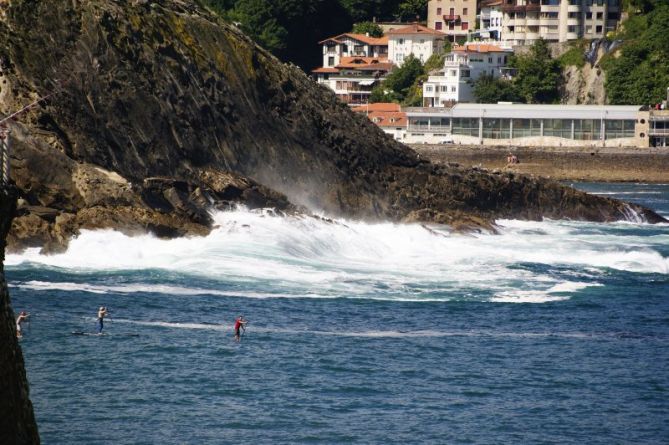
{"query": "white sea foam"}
[(313, 258)]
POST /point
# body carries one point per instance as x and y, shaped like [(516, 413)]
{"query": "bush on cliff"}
[(640, 74)]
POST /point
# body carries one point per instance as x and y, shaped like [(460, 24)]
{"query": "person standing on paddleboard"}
[(240, 323), (23, 316), (102, 313)]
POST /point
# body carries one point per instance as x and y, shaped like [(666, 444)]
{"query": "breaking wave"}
[(257, 255)]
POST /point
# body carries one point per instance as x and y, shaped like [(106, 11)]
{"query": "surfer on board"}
[(240, 323), (102, 313), (23, 316)]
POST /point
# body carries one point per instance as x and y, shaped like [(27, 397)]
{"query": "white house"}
[(462, 66), (353, 45), (414, 39), (491, 20), (353, 78)]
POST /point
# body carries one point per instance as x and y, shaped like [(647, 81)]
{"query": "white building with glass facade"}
[(531, 125), (462, 66)]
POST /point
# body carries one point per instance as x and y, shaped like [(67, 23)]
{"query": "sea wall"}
[(561, 163), (17, 420)]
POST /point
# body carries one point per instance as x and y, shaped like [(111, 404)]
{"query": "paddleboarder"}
[(240, 323), (102, 313), (22, 318)]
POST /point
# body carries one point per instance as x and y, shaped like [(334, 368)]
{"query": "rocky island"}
[(162, 111)]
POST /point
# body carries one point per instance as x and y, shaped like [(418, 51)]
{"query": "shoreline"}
[(560, 163)]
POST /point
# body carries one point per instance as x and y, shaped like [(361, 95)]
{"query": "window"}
[(613, 15), (464, 11), (499, 60), (444, 88), (464, 73), (598, 29), (437, 26), (344, 48), (451, 12), (438, 11), (331, 61), (428, 88), (489, 59), (453, 73), (600, 15), (465, 26)]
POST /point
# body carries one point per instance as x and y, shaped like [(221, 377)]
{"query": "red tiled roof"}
[(381, 41), (415, 28), (380, 106)]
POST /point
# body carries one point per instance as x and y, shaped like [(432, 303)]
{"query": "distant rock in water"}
[(166, 111)]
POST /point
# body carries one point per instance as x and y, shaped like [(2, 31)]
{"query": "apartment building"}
[(462, 66), (456, 18), (525, 21), (415, 39)]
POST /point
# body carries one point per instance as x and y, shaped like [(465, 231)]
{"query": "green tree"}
[(412, 10), (257, 19), (370, 28), (640, 74), (489, 90), (537, 74), (399, 83)]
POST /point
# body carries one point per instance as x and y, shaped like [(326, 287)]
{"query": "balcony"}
[(451, 18)]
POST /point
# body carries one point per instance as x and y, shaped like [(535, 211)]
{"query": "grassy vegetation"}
[(575, 56)]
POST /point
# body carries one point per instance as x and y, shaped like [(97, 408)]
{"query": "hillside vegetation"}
[(639, 72)]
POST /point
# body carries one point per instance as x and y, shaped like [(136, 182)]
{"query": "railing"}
[(4, 156), (659, 132)]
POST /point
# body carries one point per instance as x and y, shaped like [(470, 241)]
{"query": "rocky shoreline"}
[(561, 163)]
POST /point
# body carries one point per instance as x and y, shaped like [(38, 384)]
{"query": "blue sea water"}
[(550, 332)]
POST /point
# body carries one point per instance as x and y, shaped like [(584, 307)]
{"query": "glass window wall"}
[(523, 128), (467, 126)]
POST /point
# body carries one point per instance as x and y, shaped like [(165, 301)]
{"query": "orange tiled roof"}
[(364, 63), (323, 69), (381, 41), (482, 48), (385, 119), (380, 106), (415, 28)]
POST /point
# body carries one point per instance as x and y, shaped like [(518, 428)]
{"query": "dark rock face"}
[(17, 421), (163, 89)]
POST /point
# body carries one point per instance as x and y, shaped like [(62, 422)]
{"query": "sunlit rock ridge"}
[(164, 111)]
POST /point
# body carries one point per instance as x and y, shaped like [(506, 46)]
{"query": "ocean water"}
[(550, 332)]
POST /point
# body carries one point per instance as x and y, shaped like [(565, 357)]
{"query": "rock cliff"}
[(164, 111), (17, 421)]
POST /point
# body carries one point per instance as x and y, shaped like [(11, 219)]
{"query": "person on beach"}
[(23, 316), (240, 323), (102, 313)]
